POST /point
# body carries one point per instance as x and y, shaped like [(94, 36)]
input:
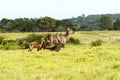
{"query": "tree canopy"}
[(106, 23), (49, 24)]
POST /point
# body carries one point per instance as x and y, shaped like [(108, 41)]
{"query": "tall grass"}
[(74, 62)]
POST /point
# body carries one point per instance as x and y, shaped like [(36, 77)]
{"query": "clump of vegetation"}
[(2, 31), (97, 42), (15, 31), (9, 44), (24, 42), (19, 43), (34, 37), (74, 41), (1, 39), (117, 41)]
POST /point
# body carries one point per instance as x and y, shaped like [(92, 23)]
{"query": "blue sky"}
[(58, 9)]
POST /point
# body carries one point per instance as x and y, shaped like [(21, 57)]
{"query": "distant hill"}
[(93, 20)]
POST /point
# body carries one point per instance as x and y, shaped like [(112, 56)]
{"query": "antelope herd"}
[(58, 40)]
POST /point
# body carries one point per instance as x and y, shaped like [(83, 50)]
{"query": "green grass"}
[(74, 62)]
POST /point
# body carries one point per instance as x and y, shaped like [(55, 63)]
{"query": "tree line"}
[(44, 24), (48, 24)]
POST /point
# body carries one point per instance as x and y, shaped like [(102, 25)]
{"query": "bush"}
[(97, 42), (117, 41), (2, 31), (22, 42), (34, 37), (16, 31), (8, 44), (1, 39), (74, 41)]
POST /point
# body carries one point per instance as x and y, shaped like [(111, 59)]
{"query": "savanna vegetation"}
[(89, 55)]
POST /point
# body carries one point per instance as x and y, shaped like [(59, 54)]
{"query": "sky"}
[(58, 9)]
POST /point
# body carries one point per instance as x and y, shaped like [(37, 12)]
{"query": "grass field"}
[(74, 62)]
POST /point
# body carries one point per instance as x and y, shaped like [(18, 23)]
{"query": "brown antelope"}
[(62, 38), (37, 45)]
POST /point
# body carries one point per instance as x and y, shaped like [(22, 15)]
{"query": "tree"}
[(106, 23), (7, 24), (47, 23), (84, 27), (34, 25), (20, 24), (116, 24)]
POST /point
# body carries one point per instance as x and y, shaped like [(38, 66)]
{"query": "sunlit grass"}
[(74, 62)]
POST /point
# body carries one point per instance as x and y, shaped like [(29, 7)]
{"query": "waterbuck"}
[(62, 38), (37, 45)]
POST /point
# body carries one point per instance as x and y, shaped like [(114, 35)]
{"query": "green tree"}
[(7, 24), (19, 22), (116, 24), (106, 23), (47, 23), (65, 23), (34, 25), (84, 27)]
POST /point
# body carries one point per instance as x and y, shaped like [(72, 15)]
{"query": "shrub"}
[(2, 31), (26, 45), (74, 41), (34, 37), (117, 41), (16, 31), (97, 42), (22, 42), (8, 44), (1, 39)]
